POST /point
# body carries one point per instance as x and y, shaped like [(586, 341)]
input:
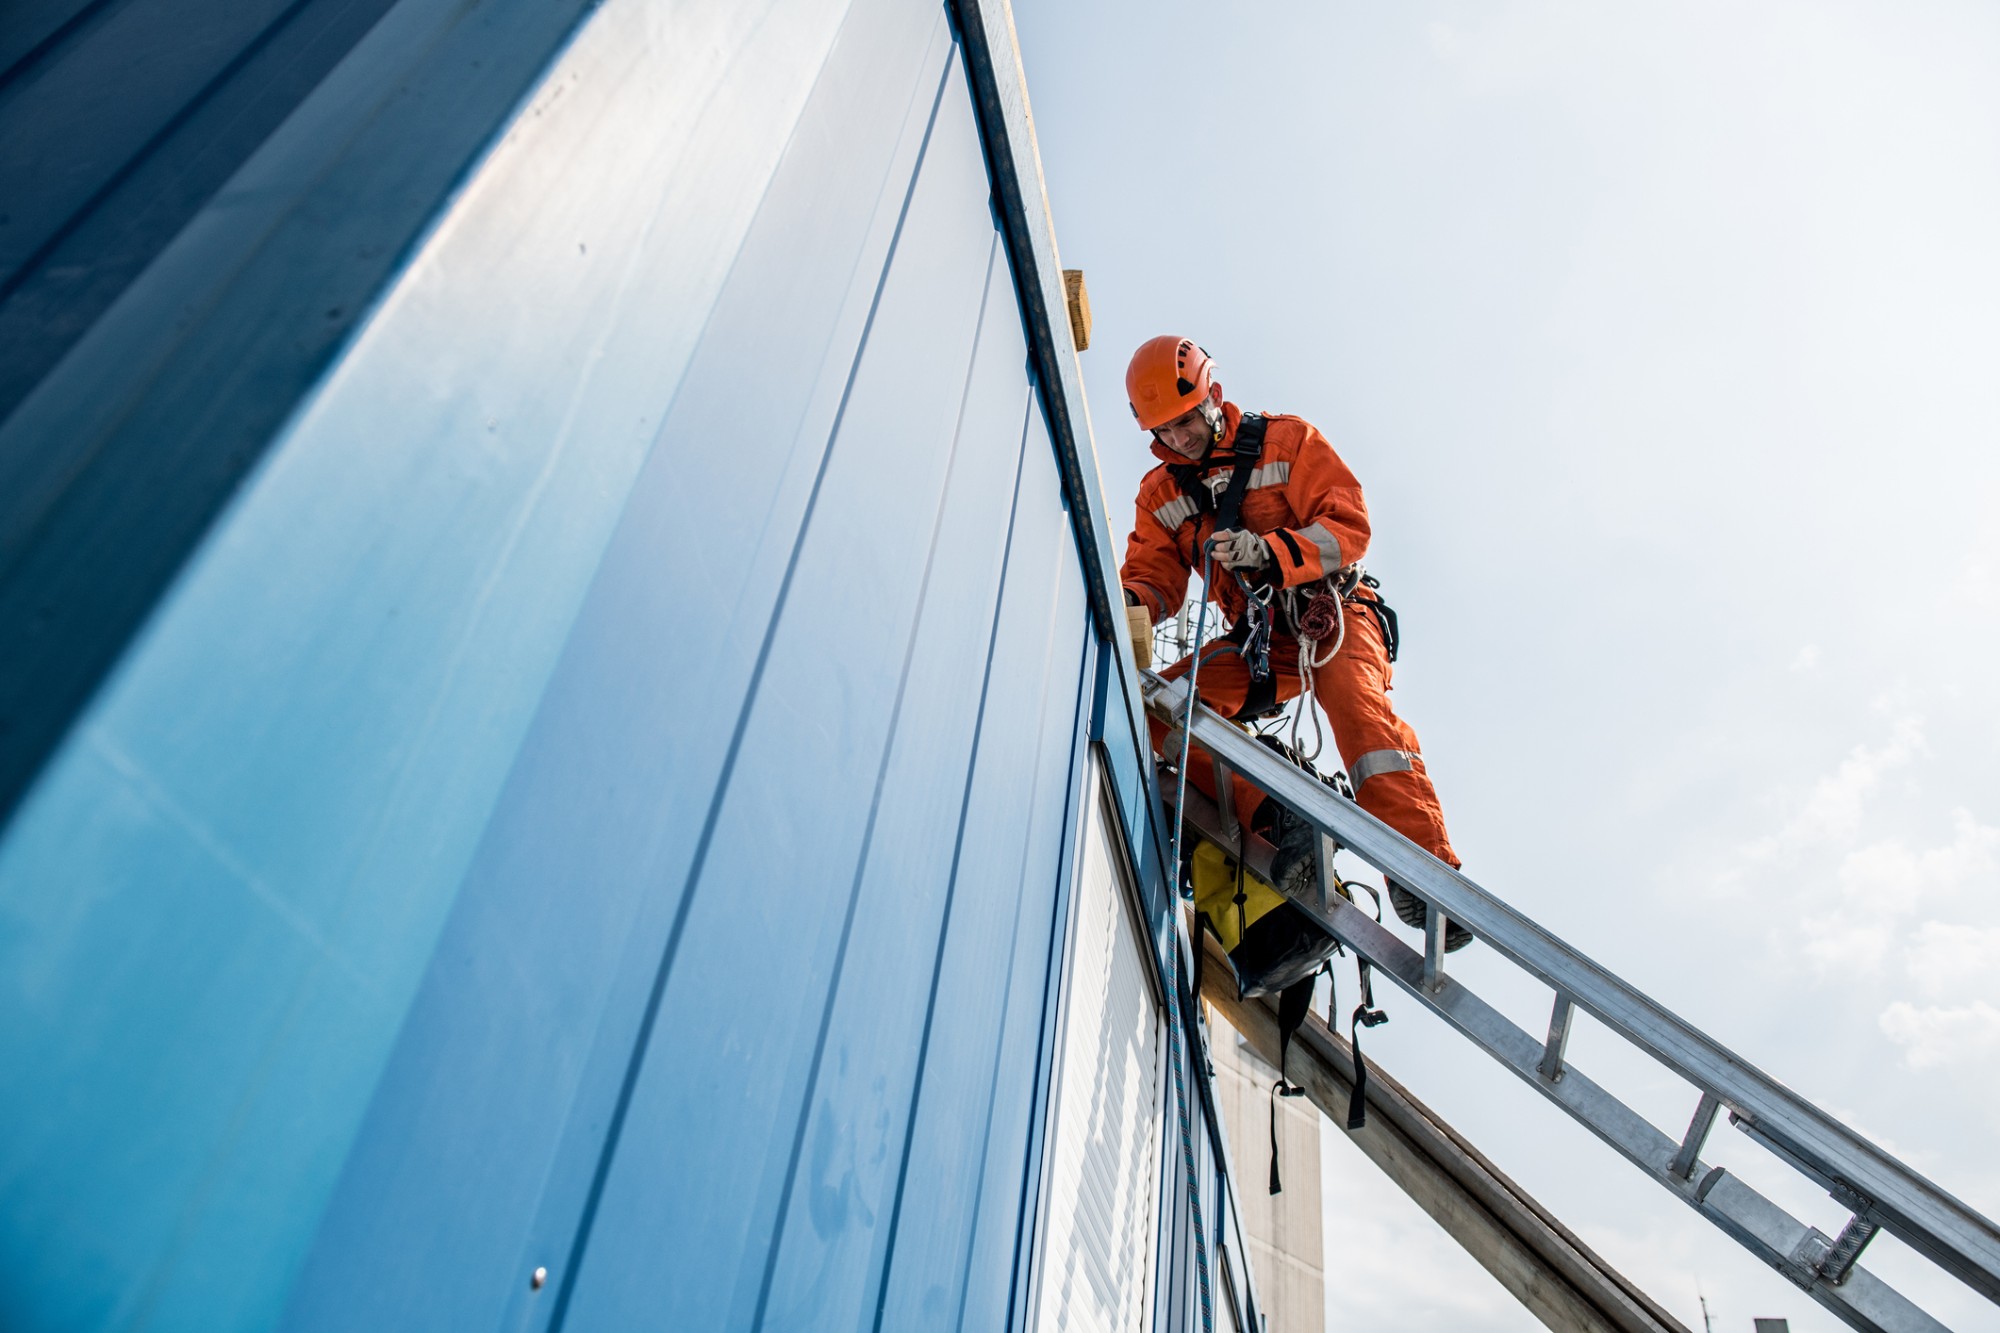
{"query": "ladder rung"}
[(1551, 1067), (1329, 879), (1704, 1120), (1434, 927), (1764, 1228), (1847, 1247), (1225, 800)]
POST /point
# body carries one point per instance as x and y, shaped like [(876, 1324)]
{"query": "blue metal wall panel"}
[(133, 443), (32, 24), (527, 1021), (280, 794), (715, 1099), (962, 1185), (601, 799), (118, 120), (835, 1220)]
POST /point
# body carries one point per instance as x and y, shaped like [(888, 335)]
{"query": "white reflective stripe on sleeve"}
[(1378, 761), (1328, 544), (1175, 512), (1271, 474)]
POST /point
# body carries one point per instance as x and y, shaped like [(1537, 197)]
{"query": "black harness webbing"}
[(1247, 447), (1245, 450), (1385, 615)]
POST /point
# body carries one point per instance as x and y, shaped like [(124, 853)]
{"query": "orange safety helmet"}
[(1168, 375)]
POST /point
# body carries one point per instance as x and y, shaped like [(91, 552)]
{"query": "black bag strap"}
[(1294, 1003), (1366, 1015)]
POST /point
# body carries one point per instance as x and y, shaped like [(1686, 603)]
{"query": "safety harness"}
[(1253, 633), (1314, 614)]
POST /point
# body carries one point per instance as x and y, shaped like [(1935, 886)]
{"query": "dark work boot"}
[(1412, 911), (1292, 865)]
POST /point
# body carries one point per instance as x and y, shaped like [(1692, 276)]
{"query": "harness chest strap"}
[(1245, 450)]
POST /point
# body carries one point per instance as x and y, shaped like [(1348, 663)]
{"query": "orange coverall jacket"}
[(1307, 505), (1302, 499)]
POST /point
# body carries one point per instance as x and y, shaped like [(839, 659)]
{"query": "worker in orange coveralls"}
[(1301, 528)]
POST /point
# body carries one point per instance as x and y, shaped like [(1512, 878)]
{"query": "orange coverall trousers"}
[(1377, 748)]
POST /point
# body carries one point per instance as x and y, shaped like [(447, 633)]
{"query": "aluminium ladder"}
[(1879, 1192)]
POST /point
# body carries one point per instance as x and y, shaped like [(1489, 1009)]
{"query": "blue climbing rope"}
[(1192, 1039), (1187, 713), (1187, 1157)]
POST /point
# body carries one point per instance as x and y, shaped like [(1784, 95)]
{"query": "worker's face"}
[(1190, 433)]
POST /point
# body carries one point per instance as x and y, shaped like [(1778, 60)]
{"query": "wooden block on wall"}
[(1079, 307)]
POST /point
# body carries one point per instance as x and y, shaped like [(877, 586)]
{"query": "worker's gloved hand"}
[(1241, 549), (1139, 624)]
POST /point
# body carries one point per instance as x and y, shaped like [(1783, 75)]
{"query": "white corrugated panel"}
[(1095, 1264)]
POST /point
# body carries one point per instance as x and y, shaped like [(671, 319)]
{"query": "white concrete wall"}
[(1287, 1246)]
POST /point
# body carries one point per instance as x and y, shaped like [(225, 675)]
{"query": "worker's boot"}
[(1413, 911), (1292, 864), (1284, 945)]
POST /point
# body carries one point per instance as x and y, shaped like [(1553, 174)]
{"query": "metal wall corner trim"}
[(1006, 125)]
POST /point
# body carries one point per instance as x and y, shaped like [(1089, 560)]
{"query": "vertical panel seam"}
[(1013, 946), (63, 32), (951, 890), (874, 812), (1007, 996), (12, 282), (1058, 962), (622, 1108), (565, 433)]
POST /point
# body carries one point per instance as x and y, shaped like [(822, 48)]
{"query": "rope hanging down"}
[(1191, 1045), (1192, 1033), (1187, 713)]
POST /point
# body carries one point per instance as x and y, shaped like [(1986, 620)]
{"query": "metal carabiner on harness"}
[(1256, 624)]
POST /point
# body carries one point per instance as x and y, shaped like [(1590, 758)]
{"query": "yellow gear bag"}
[(1215, 894)]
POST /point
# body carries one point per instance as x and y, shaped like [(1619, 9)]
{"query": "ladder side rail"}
[(1767, 1230), (1887, 1192), (1788, 1245), (1544, 1265)]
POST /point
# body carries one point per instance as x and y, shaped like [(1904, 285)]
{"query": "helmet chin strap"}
[(1216, 421)]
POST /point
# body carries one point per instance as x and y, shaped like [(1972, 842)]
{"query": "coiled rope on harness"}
[(1318, 611), (1323, 615)]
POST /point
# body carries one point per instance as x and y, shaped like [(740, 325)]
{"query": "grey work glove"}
[(1242, 550)]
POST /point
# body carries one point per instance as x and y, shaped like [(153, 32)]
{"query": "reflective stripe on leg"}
[(1376, 762)]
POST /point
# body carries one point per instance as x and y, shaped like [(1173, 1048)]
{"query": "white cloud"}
[(1882, 886), (1831, 812), (1946, 958), (1853, 889), (1936, 1035), (1807, 658)]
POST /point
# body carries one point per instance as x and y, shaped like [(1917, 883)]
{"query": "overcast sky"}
[(1665, 339)]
